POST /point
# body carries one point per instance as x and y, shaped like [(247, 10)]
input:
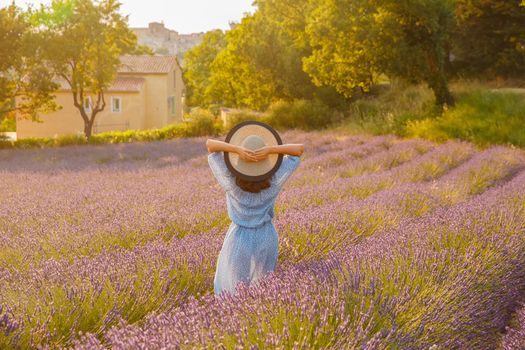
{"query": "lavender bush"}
[(514, 339), (384, 244)]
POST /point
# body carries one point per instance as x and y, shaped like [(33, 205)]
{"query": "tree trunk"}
[(437, 79), (88, 129), (441, 91), (88, 126)]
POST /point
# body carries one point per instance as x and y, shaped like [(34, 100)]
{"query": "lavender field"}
[(383, 244)]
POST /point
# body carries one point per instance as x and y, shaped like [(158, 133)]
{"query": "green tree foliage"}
[(217, 72), (345, 46), (273, 41), (197, 72), (424, 29), (235, 80), (83, 41), (490, 38), (257, 62), (353, 40), (292, 49), (25, 83)]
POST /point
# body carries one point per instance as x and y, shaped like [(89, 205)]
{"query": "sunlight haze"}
[(183, 16)]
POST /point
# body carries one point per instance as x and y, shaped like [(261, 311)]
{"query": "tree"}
[(218, 72), (490, 38), (197, 62), (266, 49), (424, 28), (83, 42), (354, 39), (273, 41), (26, 85), (234, 80)]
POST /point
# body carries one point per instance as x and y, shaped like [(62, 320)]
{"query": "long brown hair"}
[(252, 186)]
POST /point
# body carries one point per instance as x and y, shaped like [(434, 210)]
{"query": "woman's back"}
[(249, 209)]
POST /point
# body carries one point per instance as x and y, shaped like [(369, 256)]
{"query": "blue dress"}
[(250, 247)]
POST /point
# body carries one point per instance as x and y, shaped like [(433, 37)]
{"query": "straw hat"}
[(253, 135)]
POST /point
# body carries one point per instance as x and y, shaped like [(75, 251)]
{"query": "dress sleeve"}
[(288, 166), (220, 170)]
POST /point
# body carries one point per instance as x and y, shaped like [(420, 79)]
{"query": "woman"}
[(252, 171)]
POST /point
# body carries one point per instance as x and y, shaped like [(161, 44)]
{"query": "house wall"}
[(158, 88), (69, 121), (156, 99), (131, 117), (65, 121), (176, 88)]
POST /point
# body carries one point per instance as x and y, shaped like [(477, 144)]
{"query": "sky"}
[(184, 16)]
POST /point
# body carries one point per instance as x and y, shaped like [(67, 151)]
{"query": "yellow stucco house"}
[(147, 93)]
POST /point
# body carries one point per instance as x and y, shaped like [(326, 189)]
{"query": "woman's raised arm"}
[(221, 146), (292, 149)]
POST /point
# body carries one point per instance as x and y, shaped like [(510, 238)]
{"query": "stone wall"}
[(166, 41)]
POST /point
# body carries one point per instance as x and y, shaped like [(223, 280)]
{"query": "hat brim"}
[(253, 171)]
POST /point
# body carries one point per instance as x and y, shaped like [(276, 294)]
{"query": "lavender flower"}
[(384, 243)]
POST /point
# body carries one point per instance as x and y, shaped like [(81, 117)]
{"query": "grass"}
[(482, 115)]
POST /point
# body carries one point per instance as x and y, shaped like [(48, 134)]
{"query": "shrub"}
[(390, 109), (34, 142), (4, 144), (70, 140), (330, 97), (171, 131), (168, 132), (115, 137), (235, 118), (201, 122), (7, 123), (301, 114), (480, 116)]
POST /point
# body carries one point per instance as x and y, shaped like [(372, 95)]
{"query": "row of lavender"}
[(346, 192), (73, 227), (113, 197), (450, 279)]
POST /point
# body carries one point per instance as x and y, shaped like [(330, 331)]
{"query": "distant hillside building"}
[(166, 41), (147, 93)]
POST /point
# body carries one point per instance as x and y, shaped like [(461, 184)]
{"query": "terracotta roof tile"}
[(120, 84), (127, 84), (147, 64)]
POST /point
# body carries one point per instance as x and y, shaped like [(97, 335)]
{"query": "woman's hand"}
[(263, 152), (220, 146), (246, 154)]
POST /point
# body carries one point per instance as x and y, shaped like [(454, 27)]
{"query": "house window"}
[(174, 79), (87, 104), (171, 104), (116, 104)]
